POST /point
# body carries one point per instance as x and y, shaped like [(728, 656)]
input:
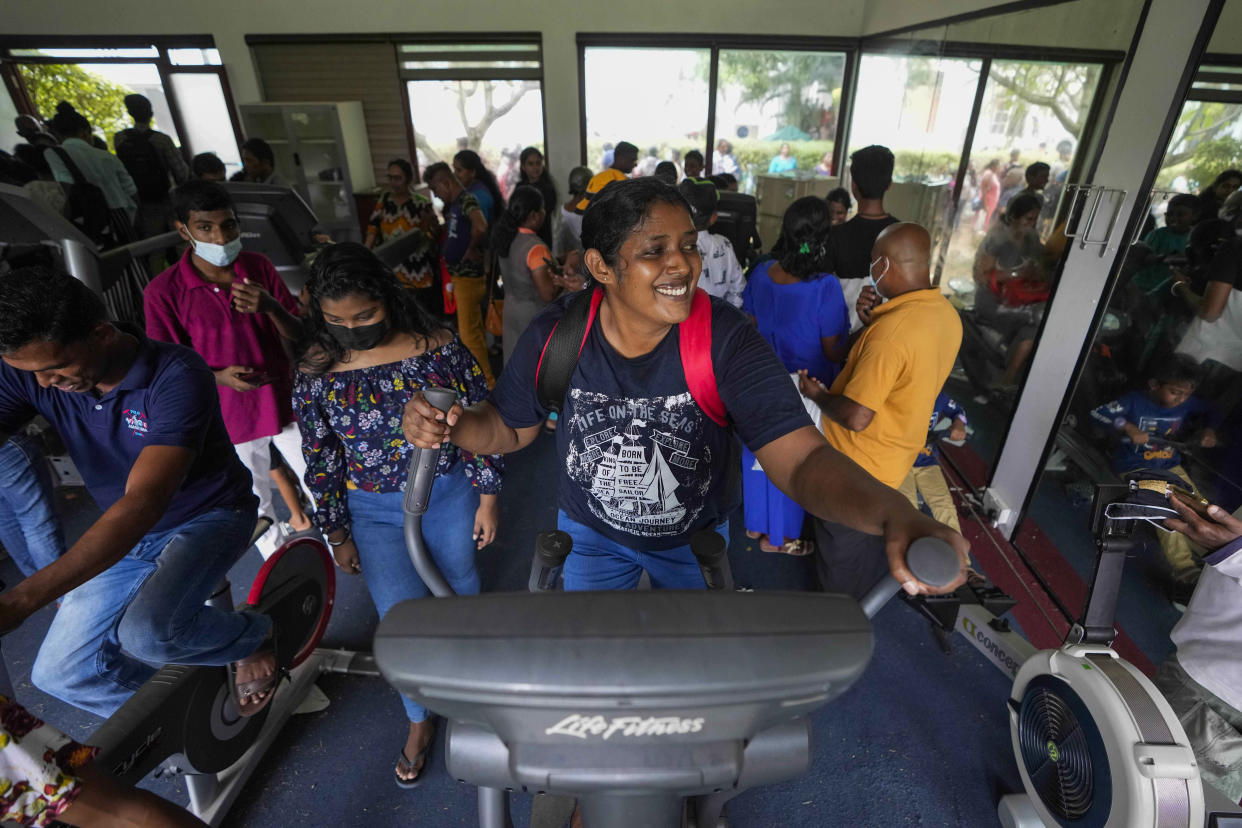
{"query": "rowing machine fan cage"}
[(1098, 746)]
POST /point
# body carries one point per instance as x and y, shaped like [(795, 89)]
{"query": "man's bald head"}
[(906, 249)]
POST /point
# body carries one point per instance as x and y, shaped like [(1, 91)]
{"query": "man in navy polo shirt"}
[(141, 420)]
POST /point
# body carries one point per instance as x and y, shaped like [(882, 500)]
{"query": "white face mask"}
[(218, 255), (875, 282)]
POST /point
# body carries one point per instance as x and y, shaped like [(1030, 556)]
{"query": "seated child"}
[(926, 478), (722, 274), (1149, 421)]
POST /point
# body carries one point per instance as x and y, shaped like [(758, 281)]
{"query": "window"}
[(779, 110), (183, 79), (665, 121), (486, 96)]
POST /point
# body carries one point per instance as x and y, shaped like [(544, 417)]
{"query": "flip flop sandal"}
[(410, 784), (254, 687), (799, 548)]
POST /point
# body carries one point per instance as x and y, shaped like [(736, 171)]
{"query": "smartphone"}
[(553, 266), (1198, 504), (255, 378)]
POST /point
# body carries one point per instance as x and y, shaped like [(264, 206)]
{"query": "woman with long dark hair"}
[(368, 347), (533, 171), (799, 308), (524, 259), (645, 462), (479, 182), (401, 210)]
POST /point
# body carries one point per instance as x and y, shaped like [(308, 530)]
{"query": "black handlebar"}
[(711, 550), (420, 475), (422, 469), (933, 561)]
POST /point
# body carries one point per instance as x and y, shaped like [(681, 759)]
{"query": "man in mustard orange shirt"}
[(877, 410)]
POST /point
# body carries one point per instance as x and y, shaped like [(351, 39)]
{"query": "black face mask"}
[(360, 338)]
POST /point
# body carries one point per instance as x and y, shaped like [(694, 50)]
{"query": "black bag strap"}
[(78, 178), (562, 348)]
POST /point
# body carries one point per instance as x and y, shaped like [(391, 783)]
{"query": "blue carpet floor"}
[(921, 739)]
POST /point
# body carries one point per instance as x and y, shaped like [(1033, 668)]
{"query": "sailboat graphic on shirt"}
[(628, 484)]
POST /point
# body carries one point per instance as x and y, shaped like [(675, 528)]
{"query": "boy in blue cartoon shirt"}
[(1150, 421), (926, 478)]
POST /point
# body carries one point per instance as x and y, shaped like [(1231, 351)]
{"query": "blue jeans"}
[(29, 528), (377, 522), (600, 563), (148, 608)]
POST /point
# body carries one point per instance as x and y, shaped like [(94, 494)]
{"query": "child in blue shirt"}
[(926, 478), (1152, 419)]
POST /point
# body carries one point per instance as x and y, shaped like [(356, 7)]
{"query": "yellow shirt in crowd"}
[(598, 182), (896, 368)]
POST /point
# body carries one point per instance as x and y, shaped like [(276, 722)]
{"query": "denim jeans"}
[(148, 609), (377, 522), (600, 563), (29, 528)]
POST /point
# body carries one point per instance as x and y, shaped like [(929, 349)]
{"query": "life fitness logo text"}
[(991, 646), (136, 421), (581, 727)]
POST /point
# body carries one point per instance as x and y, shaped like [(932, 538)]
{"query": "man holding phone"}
[(233, 309), (1202, 680)]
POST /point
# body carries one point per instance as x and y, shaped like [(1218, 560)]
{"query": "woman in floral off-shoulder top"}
[(369, 347)]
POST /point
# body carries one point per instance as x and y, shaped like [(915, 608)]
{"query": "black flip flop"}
[(410, 784)]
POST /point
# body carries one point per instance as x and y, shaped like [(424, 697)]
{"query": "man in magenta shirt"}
[(233, 309)]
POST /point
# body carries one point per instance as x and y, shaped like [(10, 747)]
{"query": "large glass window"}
[(484, 96), (665, 121), (919, 107), (184, 81), (779, 110), (98, 90), (494, 118), (1031, 112)]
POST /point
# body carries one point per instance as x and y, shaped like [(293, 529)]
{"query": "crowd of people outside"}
[(826, 370)]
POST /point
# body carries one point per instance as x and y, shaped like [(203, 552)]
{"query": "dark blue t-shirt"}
[(946, 406), (1168, 423), (167, 398), (641, 462)]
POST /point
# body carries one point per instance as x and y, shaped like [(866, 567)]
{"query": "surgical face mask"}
[(218, 255), (875, 282), (359, 338)]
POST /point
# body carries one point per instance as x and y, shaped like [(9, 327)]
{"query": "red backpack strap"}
[(695, 337), (563, 347)]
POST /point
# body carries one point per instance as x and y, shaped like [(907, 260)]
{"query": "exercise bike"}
[(184, 719), (651, 708)]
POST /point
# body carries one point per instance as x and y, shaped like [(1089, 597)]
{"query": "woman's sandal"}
[(402, 759), (254, 687)]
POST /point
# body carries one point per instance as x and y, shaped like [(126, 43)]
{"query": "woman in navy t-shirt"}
[(642, 466)]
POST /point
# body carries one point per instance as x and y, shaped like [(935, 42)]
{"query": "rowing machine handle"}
[(932, 560), (422, 469), (551, 550), (712, 552)]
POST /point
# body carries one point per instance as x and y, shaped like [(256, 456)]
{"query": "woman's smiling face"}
[(658, 266)]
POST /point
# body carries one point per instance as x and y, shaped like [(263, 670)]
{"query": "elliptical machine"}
[(651, 708)]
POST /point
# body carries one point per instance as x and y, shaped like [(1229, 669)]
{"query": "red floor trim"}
[(1041, 621)]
